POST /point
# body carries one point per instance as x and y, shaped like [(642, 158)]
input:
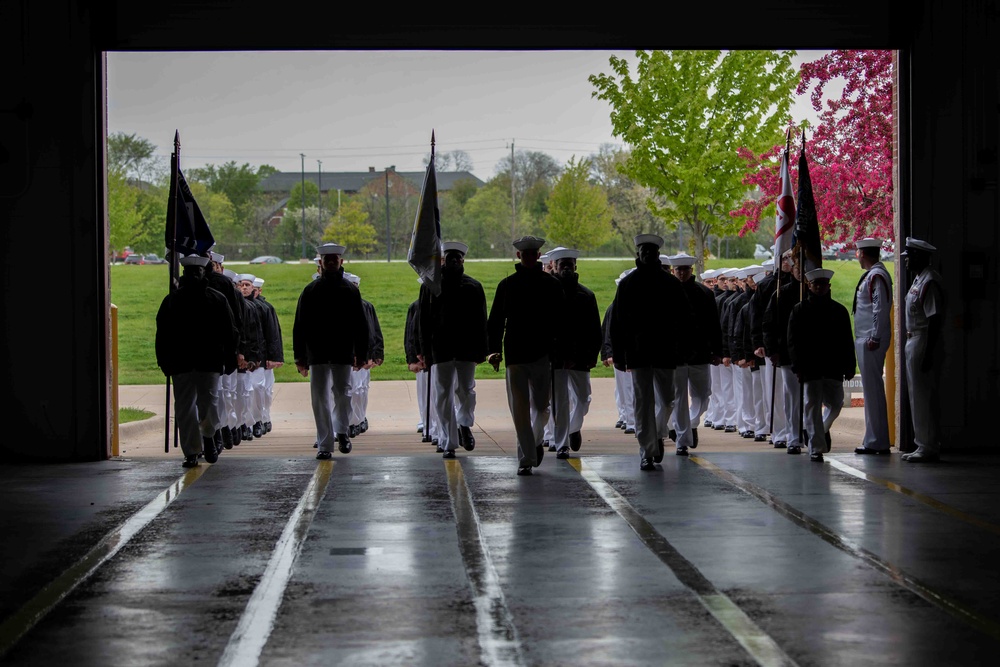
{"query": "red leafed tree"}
[(849, 152)]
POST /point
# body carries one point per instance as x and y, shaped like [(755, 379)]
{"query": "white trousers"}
[(571, 403), (432, 429), (922, 388), (871, 363), (359, 394), (258, 384), (528, 388), (692, 391), (775, 415), (713, 414), (196, 407), (244, 399), (823, 402), (728, 396), (268, 393), (745, 418), (330, 391), (759, 407), (790, 398), (625, 397), (455, 399), (654, 401), (230, 387)]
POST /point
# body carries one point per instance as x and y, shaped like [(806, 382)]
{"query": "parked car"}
[(761, 253), (153, 259), (266, 259), (135, 259)]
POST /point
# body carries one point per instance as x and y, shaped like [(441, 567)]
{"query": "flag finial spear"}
[(177, 140), (432, 143)]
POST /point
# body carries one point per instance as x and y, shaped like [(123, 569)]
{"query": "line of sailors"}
[(223, 370)]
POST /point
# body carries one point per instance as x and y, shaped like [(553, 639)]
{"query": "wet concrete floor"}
[(723, 558)]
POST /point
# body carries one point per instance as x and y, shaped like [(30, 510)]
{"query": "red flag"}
[(785, 222)]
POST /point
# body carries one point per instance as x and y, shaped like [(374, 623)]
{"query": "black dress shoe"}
[(760, 438), (524, 471), (246, 433), (818, 457), (439, 449), (267, 427), (575, 441), (779, 444), (227, 437), (364, 425), (629, 430), (539, 453), (466, 439), (647, 464), (563, 453), (420, 428), (708, 424), (619, 424), (236, 435), (672, 434), (208, 445), (190, 462), (682, 451), (658, 456), (324, 456), (352, 431), (343, 443), (552, 448), (450, 454), (794, 449), (874, 452), (746, 434), (829, 440), (718, 427), (694, 436), (729, 429), (257, 430)]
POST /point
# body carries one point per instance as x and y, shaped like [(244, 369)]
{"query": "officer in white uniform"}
[(872, 331), (925, 308)]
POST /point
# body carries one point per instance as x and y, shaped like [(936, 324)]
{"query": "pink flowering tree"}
[(849, 152)]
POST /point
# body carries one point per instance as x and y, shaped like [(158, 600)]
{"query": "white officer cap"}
[(739, 274), (868, 242), (351, 278), (682, 259), (917, 244), (216, 257), (758, 275), (528, 243), (563, 253), (665, 260), (709, 274), (229, 273), (194, 260), (543, 258), (258, 282), (819, 274), (245, 277), (648, 238), (455, 245), (623, 274), (768, 264), (331, 249), (752, 269)]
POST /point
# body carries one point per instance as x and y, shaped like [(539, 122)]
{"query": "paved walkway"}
[(393, 416)]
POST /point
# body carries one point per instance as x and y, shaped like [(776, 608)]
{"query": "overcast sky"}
[(361, 109)]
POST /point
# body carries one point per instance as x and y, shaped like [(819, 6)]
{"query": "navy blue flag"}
[(806, 236), (191, 235), (425, 243)]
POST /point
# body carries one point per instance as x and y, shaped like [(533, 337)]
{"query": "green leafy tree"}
[(579, 215), (685, 114), (629, 213), (350, 228), (485, 224), (124, 216), (134, 158)]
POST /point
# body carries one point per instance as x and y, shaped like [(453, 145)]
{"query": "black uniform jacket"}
[(452, 325), (411, 345), (252, 337), (581, 337), (776, 320), (820, 340), (195, 331), (524, 301), (720, 303), (650, 320), (706, 341), (376, 343), (273, 346), (607, 352), (758, 305), (730, 311), (330, 324)]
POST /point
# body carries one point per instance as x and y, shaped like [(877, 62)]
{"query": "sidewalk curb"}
[(133, 429)]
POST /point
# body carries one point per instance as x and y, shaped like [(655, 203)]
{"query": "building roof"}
[(354, 181)]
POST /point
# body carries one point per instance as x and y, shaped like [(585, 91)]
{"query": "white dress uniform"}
[(872, 310), (924, 300)]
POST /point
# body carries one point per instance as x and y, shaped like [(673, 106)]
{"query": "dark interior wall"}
[(54, 296)]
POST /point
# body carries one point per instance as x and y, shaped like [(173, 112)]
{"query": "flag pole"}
[(777, 248), (427, 408), (172, 272), (802, 296)]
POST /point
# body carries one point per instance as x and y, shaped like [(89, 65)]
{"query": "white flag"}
[(785, 222)]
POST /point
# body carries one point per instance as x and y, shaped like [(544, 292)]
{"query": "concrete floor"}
[(738, 555)]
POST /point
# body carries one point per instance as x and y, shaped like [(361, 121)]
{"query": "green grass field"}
[(138, 290)]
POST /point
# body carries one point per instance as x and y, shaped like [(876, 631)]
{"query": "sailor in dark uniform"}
[(513, 327), (775, 327), (274, 353), (221, 282), (573, 360), (195, 341), (774, 412), (646, 335), (453, 341), (251, 377), (330, 337), (821, 348)]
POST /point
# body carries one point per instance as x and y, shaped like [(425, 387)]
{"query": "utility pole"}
[(303, 156), (388, 235), (319, 164), (513, 205)]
